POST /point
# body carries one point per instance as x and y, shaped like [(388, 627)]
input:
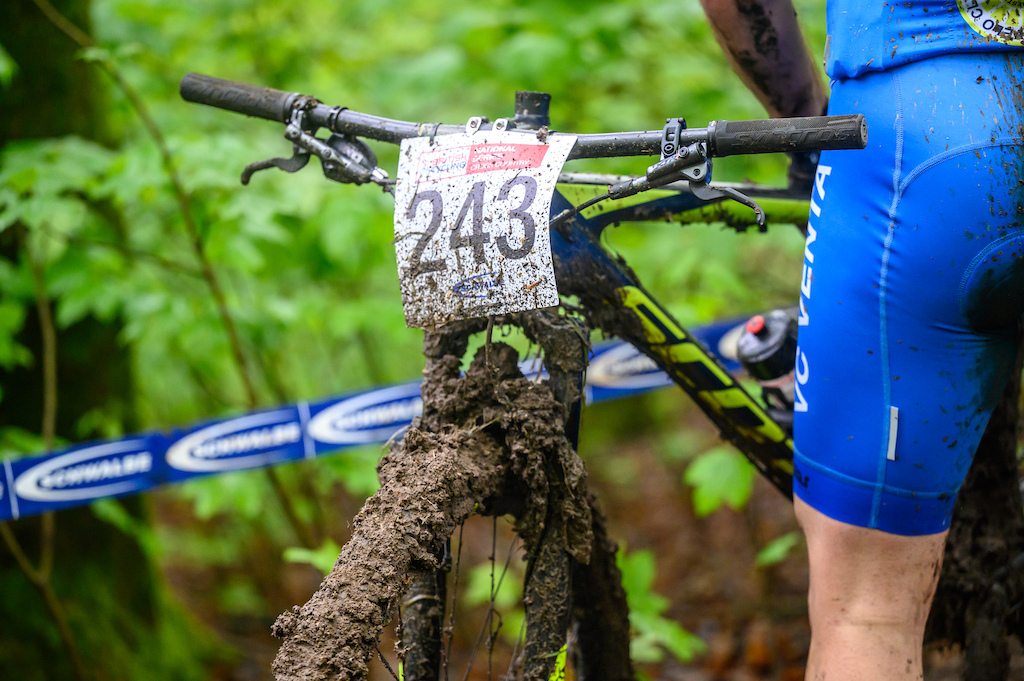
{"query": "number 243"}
[(473, 210)]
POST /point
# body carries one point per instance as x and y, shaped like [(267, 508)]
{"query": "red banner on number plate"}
[(452, 162), (486, 157)]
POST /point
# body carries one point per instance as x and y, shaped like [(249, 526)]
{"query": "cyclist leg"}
[(869, 598), (913, 283)]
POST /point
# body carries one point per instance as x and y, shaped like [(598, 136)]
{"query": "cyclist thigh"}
[(913, 284)]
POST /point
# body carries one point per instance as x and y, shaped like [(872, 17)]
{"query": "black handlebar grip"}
[(251, 100), (816, 133)]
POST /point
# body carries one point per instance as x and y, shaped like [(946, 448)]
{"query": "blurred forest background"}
[(149, 289)]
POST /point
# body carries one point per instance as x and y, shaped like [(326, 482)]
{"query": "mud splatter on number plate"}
[(999, 20), (471, 216)]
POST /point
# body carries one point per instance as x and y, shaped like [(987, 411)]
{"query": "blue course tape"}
[(84, 473)]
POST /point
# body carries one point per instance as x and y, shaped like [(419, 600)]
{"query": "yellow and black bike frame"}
[(616, 302)]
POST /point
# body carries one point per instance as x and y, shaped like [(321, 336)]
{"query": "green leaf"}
[(21, 181), (638, 572), (57, 215), (322, 558), (95, 54), (777, 549), (12, 353), (16, 443), (54, 167), (679, 445), (528, 56), (243, 494), (507, 597), (126, 50), (658, 631), (240, 597), (507, 593), (652, 631), (720, 477), (355, 470), (8, 68)]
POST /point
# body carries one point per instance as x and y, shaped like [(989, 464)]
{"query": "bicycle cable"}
[(569, 213)]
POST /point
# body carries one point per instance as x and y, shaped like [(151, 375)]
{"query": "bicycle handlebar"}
[(727, 138), (723, 138), (243, 98)]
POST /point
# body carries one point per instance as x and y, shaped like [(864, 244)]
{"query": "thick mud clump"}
[(489, 439)]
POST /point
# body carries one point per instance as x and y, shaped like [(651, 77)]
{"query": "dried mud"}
[(489, 441)]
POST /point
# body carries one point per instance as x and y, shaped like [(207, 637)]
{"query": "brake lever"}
[(294, 164), (692, 164), (706, 192)]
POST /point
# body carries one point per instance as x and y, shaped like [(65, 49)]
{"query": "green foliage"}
[(507, 588), (652, 632), (679, 445), (180, 648), (125, 628), (355, 470), (778, 549), (244, 495), (322, 558), (720, 477), (12, 353), (17, 442), (490, 584), (704, 273), (8, 69)]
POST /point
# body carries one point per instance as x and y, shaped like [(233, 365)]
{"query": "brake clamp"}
[(670, 136), (690, 163), (300, 156)]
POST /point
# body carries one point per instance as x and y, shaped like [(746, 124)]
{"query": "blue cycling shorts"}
[(912, 288)]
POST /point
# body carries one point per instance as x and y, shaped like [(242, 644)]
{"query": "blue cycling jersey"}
[(874, 35)]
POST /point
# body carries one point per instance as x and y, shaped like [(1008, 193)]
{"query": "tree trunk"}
[(54, 93)]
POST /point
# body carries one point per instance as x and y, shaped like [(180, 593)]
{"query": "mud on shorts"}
[(912, 288)]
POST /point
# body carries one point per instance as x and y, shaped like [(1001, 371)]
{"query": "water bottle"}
[(767, 350)]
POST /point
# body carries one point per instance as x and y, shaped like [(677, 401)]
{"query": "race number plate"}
[(471, 224)]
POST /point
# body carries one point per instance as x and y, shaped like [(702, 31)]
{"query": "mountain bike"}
[(489, 235)]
